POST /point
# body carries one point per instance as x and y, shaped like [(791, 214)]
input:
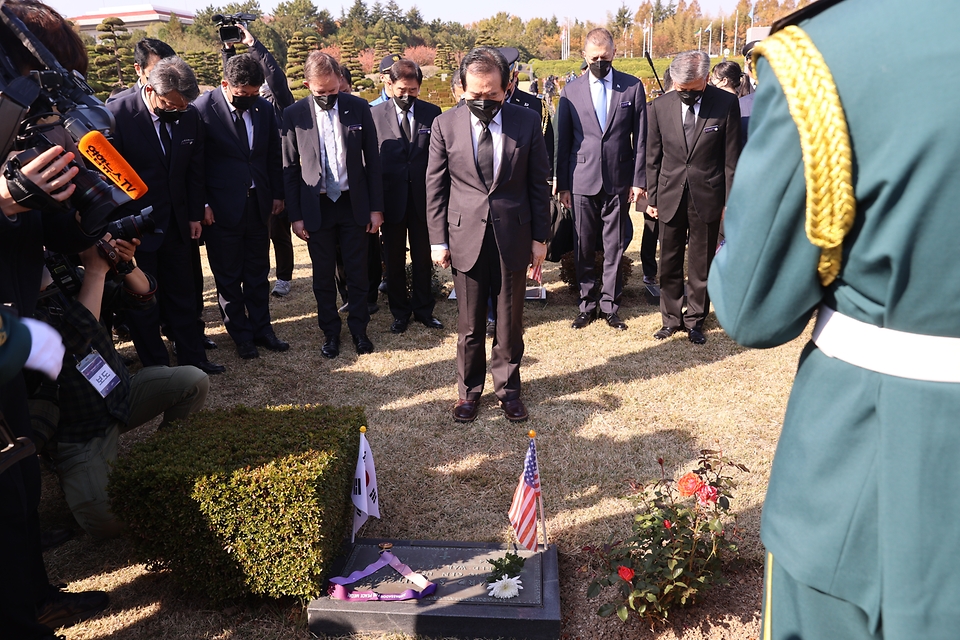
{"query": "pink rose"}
[(707, 495), (689, 484), (626, 573)]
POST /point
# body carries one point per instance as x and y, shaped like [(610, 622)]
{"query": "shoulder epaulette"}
[(803, 13)]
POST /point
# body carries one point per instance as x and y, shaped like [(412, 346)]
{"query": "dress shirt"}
[(496, 136), (607, 80), (156, 120), (684, 108), (322, 124), (247, 121), (408, 114)]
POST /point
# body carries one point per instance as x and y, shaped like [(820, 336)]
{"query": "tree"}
[(396, 46), (619, 22), (357, 19), (349, 56), (298, 47), (443, 56), (114, 52)]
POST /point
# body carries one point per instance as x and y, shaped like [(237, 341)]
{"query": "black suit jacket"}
[(175, 190), (707, 168), (231, 167), (458, 203), (404, 163), (532, 102), (303, 166)]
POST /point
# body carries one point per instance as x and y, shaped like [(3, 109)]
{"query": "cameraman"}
[(95, 399), (275, 90)]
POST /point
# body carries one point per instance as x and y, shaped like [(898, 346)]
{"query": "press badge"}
[(98, 373)]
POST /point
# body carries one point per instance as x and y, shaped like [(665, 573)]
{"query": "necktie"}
[(689, 127), (405, 125), (601, 105), (241, 127), (485, 156), (330, 156), (165, 140)]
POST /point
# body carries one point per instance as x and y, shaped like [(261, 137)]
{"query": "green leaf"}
[(606, 610), (593, 590), (622, 613)]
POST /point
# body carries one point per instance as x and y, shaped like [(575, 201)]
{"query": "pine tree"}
[(396, 46), (296, 55), (443, 56), (114, 61), (380, 49), (349, 56)]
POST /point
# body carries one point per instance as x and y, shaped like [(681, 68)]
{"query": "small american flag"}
[(523, 511)]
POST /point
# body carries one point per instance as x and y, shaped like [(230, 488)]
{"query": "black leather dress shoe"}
[(331, 347), (210, 368), (431, 323), (362, 343), (398, 325), (665, 332), (271, 342), (466, 410), (247, 351), (491, 329), (208, 343), (52, 538), (514, 411), (63, 608), (614, 321), (584, 319), (696, 336)]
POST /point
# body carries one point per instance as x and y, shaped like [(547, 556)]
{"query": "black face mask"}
[(600, 68), (404, 102), (690, 98), (242, 103), (484, 110), (167, 117), (326, 102)]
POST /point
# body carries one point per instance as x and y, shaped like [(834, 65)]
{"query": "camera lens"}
[(94, 199), (131, 227)]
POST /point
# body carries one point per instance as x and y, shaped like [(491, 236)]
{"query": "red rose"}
[(707, 495), (667, 524), (689, 484), (626, 573)]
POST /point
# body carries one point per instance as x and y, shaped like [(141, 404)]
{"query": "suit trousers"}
[(686, 229), (23, 578), (600, 220), (282, 245), (648, 246), (171, 267), (420, 302), (488, 278), (240, 260), (339, 225)]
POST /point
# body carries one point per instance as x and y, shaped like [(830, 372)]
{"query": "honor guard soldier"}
[(845, 205)]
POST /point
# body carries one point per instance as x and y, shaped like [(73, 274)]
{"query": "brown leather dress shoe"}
[(514, 410), (466, 410)]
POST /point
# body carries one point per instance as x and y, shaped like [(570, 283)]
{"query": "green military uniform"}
[(863, 503)]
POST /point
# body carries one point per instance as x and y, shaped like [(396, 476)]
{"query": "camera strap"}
[(24, 191), (339, 590)]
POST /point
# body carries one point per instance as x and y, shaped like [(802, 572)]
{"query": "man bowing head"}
[(488, 216)]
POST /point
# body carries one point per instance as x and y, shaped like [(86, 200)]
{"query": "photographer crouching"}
[(94, 399)]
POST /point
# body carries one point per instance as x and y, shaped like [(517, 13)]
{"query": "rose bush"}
[(678, 545)]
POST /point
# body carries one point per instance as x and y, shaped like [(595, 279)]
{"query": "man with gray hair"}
[(693, 142), (601, 123), (162, 139)]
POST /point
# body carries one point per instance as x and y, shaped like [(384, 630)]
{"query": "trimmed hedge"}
[(243, 501)]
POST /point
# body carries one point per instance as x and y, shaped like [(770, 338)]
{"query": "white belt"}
[(887, 351)]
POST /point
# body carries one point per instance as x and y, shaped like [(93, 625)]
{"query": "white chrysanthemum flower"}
[(505, 588)]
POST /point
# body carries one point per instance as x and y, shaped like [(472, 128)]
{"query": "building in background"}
[(134, 16)]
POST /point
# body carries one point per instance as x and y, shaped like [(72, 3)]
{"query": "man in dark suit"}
[(693, 142), (244, 187), (403, 129), (146, 53), (162, 139), (488, 211), (334, 192), (600, 171)]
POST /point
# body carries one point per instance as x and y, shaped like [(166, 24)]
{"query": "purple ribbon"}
[(339, 591)]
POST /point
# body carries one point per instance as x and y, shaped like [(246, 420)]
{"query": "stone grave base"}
[(459, 607)]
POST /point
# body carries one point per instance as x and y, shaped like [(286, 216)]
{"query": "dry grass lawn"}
[(605, 405)]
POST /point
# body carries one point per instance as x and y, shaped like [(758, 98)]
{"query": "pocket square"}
[(711, 129)]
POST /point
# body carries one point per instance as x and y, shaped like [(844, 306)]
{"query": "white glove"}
[(46, 348)]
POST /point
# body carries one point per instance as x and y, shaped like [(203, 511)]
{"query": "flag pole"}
[(543, 519)]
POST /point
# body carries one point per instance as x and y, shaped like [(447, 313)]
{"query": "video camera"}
[(228, 30), (32, 105)]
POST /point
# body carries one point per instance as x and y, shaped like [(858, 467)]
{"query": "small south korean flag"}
[(366, 498)]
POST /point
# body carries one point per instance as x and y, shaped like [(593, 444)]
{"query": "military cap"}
[(388, 61), (510, 53)]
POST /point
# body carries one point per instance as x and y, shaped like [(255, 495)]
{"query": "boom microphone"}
[(97, 149)]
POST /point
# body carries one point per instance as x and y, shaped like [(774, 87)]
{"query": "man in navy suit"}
[(162, 138), (693, 144), (334, 192), (403, 129), (244, 187), (600, 171)]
